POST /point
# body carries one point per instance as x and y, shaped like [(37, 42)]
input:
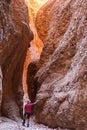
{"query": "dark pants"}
[(26, 116)]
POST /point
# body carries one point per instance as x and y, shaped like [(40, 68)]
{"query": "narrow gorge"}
[(43, 56)]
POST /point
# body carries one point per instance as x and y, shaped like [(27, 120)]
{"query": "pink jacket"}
[(28, 107)]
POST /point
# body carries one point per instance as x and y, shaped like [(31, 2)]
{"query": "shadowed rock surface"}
[(63, 79), (32, 87), (15, 36), (1, 77)]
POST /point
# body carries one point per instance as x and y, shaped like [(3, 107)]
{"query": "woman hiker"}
[(27, 112)]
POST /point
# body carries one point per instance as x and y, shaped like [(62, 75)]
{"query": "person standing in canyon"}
[(27, 112)]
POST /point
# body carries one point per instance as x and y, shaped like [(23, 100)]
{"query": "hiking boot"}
[(27, 125), (23, 123)]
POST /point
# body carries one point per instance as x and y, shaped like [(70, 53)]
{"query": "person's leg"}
[(27, 122), (28, 116), (24, 118)]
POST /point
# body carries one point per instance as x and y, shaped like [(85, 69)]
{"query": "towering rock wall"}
[(1, 77), (42, 20), (63, 79), (52, 18), (15, 37)]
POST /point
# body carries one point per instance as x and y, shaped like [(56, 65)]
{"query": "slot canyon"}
[(43, 57)]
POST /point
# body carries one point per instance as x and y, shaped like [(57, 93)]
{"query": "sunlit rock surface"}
[(63, 80), (15, 37), (34, 5), (42, 20), (52, 22)]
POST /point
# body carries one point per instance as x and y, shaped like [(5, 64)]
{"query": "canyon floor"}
[(7, 124)]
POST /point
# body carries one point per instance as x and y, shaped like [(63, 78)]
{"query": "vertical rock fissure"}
[(33, 53)]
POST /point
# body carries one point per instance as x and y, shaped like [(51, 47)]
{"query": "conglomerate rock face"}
[(63, 80), (15, 37)]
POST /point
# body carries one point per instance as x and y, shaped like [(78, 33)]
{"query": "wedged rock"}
[(15, 37), (63, 80)]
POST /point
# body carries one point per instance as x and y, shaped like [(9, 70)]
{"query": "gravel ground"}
[(7, 124), (36, 126)]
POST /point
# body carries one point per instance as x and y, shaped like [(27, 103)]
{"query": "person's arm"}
[(24, 108), (35, 102)]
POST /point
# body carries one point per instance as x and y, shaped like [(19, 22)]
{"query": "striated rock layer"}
[(63, 79), (15, 37)]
